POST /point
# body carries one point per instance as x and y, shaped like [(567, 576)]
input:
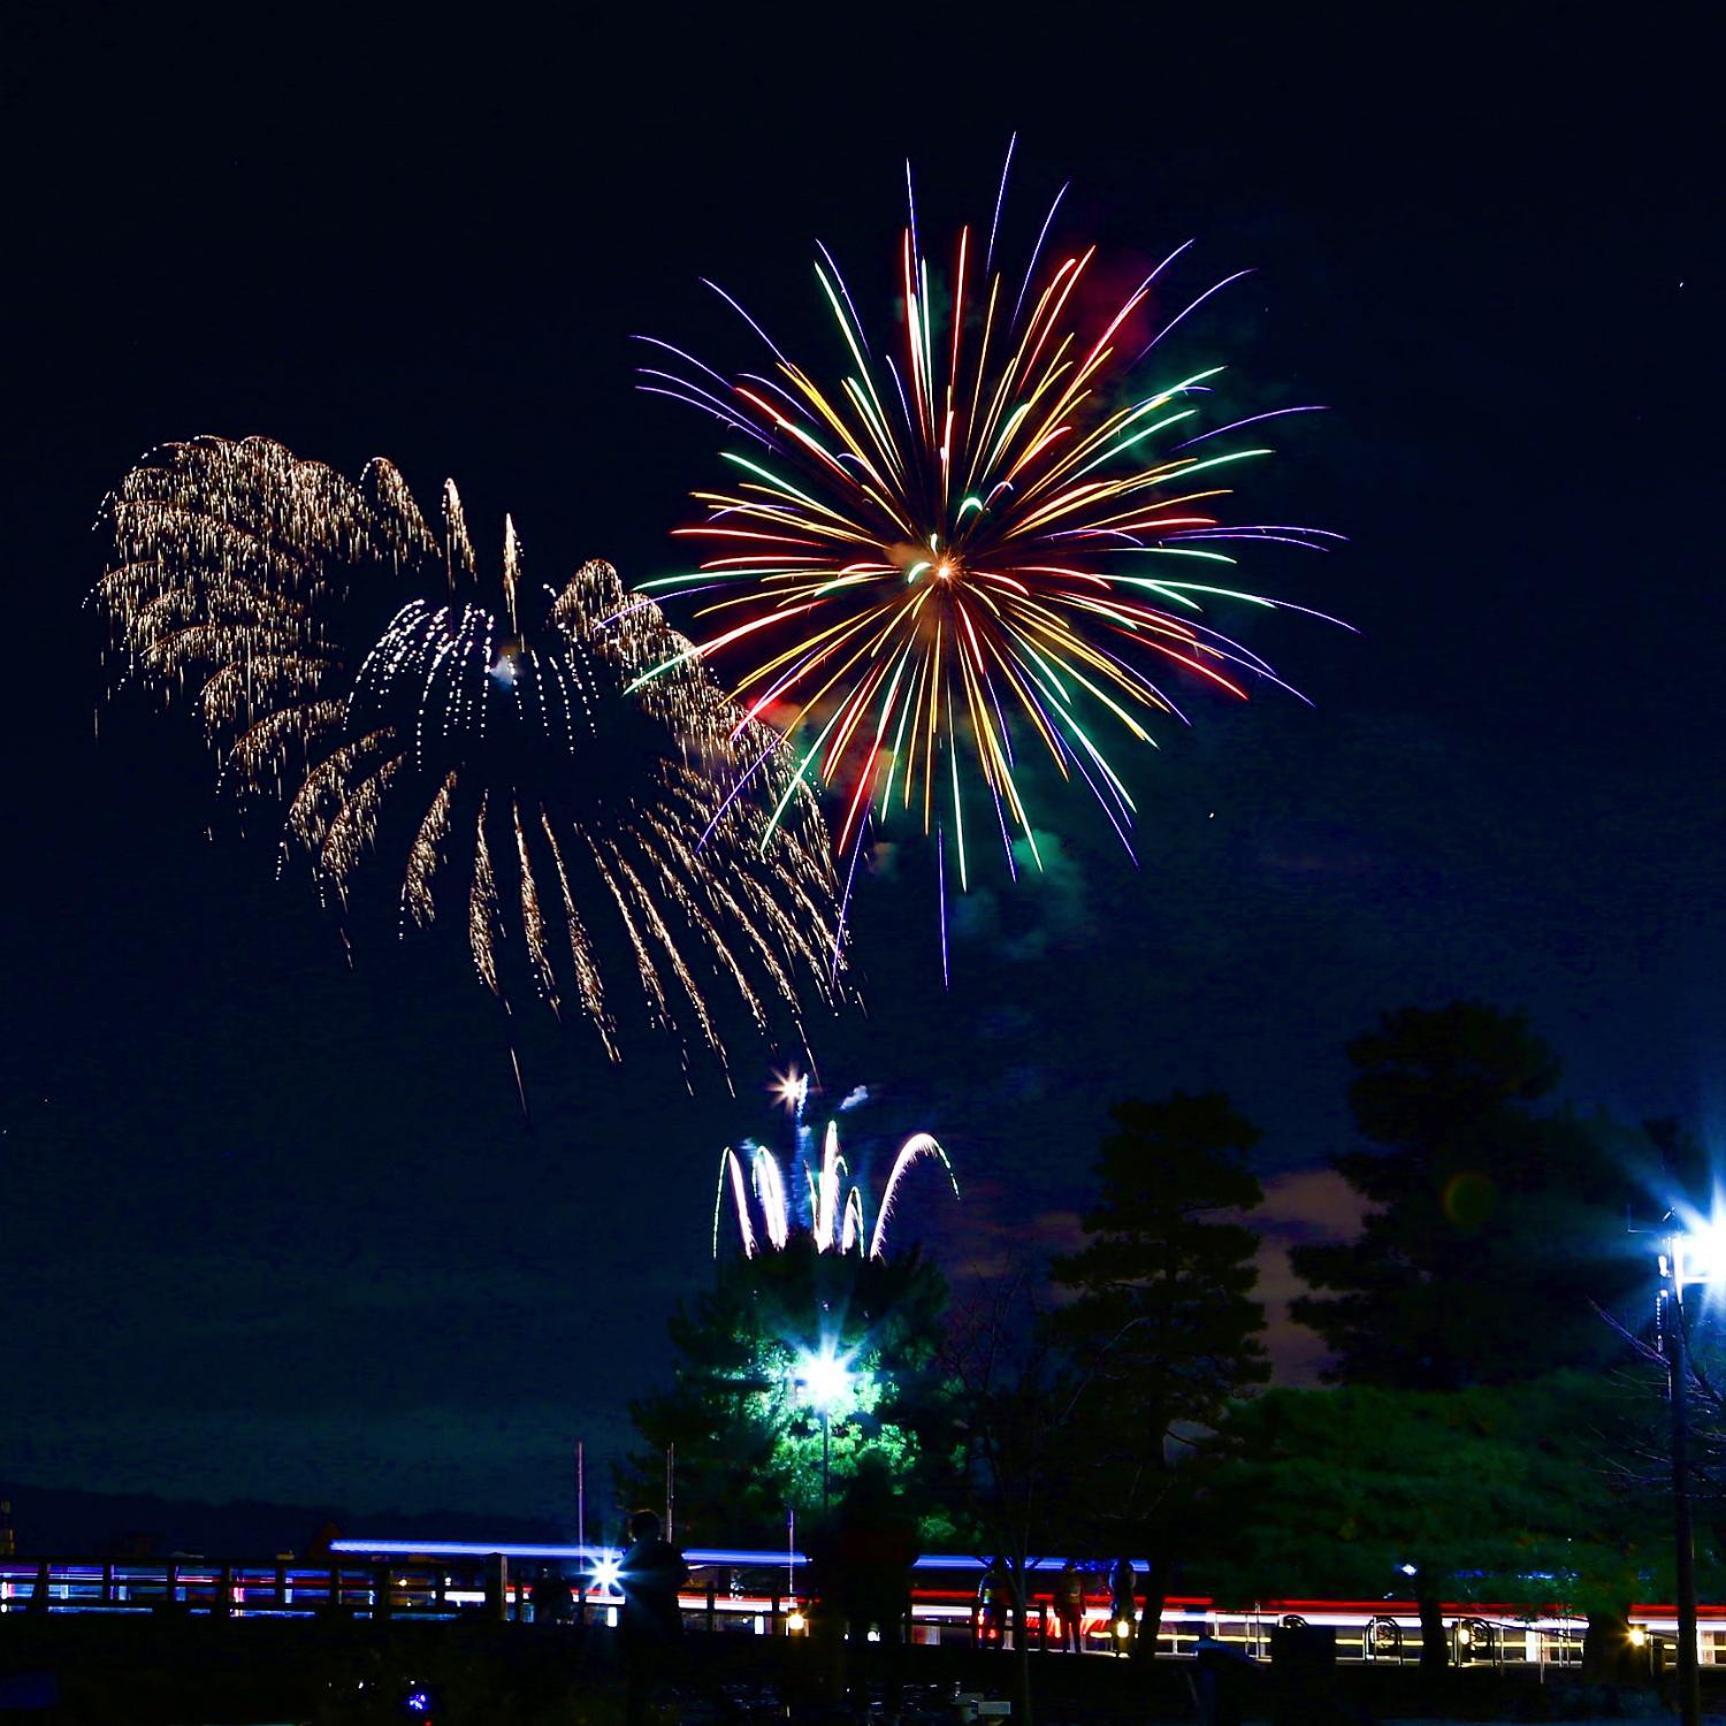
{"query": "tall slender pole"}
[(581, 1497), (1684, 1541), (826, 1461), (670, 1488)]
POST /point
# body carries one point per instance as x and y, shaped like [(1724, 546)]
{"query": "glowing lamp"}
[(825, 1380), (1699, 1255), (1123, 1629), (795, 1621), (606, 1569), (1464, 1637), (1638, 1636)]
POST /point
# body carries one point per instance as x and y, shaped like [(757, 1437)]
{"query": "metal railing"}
[(757, 1594)]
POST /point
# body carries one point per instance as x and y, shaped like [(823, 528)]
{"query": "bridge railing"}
[(763, 1599)]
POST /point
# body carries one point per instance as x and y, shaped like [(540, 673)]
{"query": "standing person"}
[(1070, 1608), (1123, 1584), (875, 1546), (651, 1623), (1221, 1674), (553, 1599), (992, 1595)]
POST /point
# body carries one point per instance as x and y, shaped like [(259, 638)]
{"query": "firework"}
[(344, 663), (821, 1196), (998, 534)]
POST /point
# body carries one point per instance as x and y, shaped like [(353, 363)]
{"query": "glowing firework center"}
[(997, 533)]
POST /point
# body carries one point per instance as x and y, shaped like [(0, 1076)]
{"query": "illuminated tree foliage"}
[(748, 1438)]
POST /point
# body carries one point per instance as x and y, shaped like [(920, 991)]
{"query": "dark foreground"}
[(211, 1672)]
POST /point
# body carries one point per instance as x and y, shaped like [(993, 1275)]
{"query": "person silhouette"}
[(874, 1547), (650, 1625), (1123, 1608), (1070, 1607), (1221, 1674)]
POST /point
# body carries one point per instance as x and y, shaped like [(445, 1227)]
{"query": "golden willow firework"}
[(341, 662), (990, 537)]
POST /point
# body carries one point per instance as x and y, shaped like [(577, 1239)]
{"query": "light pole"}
[(828, 1386), (1690, 1260)]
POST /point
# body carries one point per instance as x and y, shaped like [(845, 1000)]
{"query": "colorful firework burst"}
[(820, 1192), (978, 542), (341, 662)]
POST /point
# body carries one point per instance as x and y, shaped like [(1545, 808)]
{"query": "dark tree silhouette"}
[(1499, 1493), (1020, 1491), (1162, 1327), (1494, 1221)]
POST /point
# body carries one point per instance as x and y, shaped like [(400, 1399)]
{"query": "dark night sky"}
[(272, 1226)]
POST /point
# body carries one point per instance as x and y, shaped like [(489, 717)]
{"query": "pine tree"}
[(1494, 1223), (1162, 1329)]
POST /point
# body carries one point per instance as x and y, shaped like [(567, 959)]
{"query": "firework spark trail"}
[(731, 1167), (837, 1220), (523, 748), (950, 559), (824, 1190), (770, 1192), (918, 1145), (941, 900), (845, 898)]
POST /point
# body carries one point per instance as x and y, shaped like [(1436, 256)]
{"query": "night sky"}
[(273, 1225)]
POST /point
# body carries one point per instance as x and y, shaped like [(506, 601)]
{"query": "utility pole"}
[(1684, 1540), (670, 1487)]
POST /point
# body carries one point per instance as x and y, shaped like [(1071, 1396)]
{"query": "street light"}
[(1693, 1258), (1698, 1255), (828, 1385)]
